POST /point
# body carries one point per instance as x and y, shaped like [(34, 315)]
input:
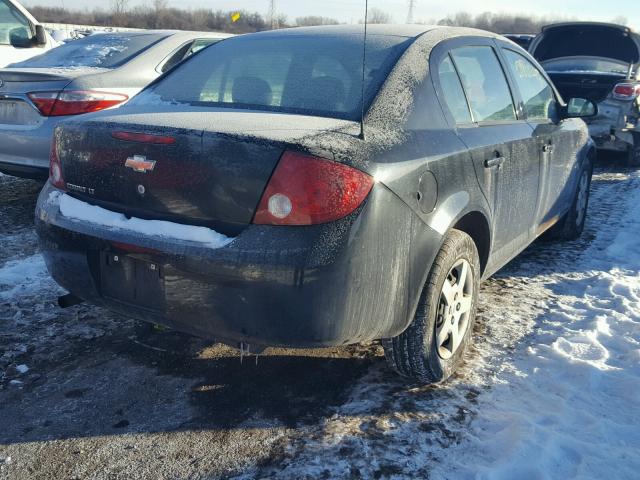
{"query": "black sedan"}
[(240, 198)]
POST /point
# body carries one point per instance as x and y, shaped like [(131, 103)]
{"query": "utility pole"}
[(272, 14), (412, 6)]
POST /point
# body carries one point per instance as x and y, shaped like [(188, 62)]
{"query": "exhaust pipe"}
[(69, 300)]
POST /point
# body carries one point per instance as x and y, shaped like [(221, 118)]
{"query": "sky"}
[(352, 10)]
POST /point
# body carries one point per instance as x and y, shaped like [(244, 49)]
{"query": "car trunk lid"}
[(212, 176), (587, 40)]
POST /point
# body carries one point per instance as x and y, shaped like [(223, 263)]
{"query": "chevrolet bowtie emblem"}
[(140, 164)]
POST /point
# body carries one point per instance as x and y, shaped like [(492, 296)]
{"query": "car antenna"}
[(364, 63)]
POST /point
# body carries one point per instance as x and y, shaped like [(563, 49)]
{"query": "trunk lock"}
[(141, 190)]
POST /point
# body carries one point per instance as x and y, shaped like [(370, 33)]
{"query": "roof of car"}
[(402, 30), (165, 33), (408, 31)]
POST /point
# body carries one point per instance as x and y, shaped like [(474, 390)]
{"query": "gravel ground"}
[(85, 393)]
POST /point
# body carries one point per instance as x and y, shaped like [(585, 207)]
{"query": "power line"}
[(412, 6), (272, 14)]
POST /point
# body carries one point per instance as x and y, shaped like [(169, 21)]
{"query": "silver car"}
[(599, 62), (94, 73)]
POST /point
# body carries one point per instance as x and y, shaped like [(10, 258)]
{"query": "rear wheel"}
[(433, 346), (633, 155), (571, 225)]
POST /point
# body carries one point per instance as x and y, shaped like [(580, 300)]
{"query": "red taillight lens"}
[(55, 167), (44, 101), (626, 91), (306, 190), (75, 102)]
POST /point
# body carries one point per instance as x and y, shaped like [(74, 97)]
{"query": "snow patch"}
[(21, 277), (78, 210), (22, 369)]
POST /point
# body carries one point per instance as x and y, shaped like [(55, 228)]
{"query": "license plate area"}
[(133, 281), (17, 112)]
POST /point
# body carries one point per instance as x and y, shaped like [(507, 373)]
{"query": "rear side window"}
[(453, 92), (485, 84), (537, 94), (317, 75)]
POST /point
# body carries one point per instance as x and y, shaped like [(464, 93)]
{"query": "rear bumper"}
[(24, 151), (25, 171), (355, 280), (610, 130)]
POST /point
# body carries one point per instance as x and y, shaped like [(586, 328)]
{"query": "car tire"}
[(429, 351), (570, 226), (633, 155)]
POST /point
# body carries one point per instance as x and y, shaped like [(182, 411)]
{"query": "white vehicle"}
[(21, 36)]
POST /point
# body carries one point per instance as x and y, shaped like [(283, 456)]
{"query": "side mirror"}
[(581, 108), (20, 37), (41, 36)]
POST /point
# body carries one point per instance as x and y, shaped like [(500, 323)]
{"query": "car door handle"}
[(494, 162), (547, 148)]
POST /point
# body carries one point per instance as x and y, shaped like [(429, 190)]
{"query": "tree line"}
[(160, 16)]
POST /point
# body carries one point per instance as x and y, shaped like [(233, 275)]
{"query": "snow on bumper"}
[(86, 218)]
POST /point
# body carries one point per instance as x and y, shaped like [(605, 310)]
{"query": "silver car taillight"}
[(626, 91)]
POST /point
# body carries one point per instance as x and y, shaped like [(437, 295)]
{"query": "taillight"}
[(626, 91), (44, 101), (306, 190), (74, 102), (55, 167)]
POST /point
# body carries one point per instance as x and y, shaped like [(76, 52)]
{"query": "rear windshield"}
[(317, 75), (103, 50), (587, 41)]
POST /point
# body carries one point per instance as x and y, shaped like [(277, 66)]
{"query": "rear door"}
[(507, 169), (556, 140)]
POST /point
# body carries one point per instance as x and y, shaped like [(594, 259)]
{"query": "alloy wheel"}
[(454, 310), (583, 196)]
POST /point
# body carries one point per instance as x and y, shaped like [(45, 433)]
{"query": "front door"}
[(555, 139), (507, 167)]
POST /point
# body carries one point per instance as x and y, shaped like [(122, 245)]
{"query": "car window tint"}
[(485, 84), (201, 43), (317, 75), (263, 77), (453, 92), (14, 27), (537, 94), (176, 57)]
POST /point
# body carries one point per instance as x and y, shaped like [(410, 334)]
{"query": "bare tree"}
[(119, 7), (621, 20), (378, 16), (311, 20), (160, 5)]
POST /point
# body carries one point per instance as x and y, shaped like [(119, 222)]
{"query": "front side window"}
[(453, 92), (317, 75), (485, 84), (15, 29), (537, 95)]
